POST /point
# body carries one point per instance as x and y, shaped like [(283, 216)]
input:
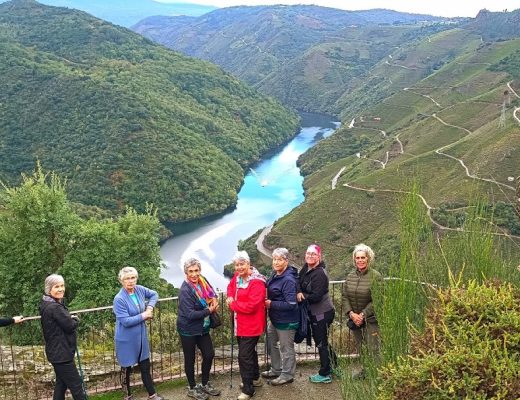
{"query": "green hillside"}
[(124, 120), (460, 115), (306, 56)]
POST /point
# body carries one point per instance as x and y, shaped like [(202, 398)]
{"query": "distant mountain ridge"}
[(306, 56), (125, 121), (129, 12)]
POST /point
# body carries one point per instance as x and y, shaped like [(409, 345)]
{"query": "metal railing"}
[(25, 372)]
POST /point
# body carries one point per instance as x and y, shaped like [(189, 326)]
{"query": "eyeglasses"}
[(311, 254)]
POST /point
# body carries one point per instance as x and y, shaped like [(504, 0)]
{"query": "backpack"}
[(303, 328)]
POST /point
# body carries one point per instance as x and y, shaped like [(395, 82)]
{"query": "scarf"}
[(203, 290)]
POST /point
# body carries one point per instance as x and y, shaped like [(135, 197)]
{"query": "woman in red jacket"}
[(246, 298)]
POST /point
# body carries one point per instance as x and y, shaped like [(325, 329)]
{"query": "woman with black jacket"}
[(59, 332), (314, 288), (197, 300)]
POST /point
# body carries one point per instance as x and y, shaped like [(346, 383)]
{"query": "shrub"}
[(470, 348)]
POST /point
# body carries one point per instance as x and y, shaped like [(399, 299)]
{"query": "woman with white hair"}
[(133, 306), (284, 317), (59, 332), (246, 299), (197, 301), (357, 300)]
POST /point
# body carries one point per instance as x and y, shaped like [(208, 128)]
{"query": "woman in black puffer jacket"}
[(59, 331)]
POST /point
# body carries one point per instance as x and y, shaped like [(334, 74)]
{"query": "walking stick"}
[(232, 334), (81, 374)]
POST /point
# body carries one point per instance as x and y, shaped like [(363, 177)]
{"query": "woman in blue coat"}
[(133, 306)]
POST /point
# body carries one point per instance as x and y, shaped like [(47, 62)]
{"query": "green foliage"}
[(40, 234), (125, 121), (469, 349), (305, 56), (509, 64)]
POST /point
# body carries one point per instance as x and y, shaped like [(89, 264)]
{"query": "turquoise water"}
[(271, 189)]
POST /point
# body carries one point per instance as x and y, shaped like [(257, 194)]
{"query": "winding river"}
[(271, 189)]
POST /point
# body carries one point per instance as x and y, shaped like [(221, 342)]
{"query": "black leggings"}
[(204, 343), (320, 334), (67, 376), (144, 366)]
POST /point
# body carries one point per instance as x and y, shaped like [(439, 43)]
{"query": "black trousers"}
[(320, 334), (248, 362), (67, 376), (205, 345), (146, 376)]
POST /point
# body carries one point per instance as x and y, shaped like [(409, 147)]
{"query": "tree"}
[(41, 234)]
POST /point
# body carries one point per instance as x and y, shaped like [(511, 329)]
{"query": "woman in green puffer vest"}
[(357, 300)]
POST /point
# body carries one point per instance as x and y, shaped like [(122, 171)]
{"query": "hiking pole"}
[(81, 374), (232, 333)]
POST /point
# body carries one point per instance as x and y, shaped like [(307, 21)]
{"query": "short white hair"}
[(190, 262), (365, 249), (241, 255), (125, 271), (281, 252), (51, 281)]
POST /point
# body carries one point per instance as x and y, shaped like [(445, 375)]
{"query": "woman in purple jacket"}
[(133, 306)]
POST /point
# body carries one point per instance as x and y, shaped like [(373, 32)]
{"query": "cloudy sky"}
[(446, 8)]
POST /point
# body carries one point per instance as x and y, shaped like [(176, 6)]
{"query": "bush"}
[(470, 348)]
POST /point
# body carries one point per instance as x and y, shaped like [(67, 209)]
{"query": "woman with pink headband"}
[(314, 285)]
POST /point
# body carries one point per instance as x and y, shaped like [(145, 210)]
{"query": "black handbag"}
[(214, 320)]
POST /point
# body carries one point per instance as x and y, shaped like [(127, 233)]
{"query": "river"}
[(271, 189)]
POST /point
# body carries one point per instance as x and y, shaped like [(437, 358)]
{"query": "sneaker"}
[(320, 379), (270, 374), (210, 389), (243, 396), (281, 381), (256, 383), (156, 397), (197, 393)]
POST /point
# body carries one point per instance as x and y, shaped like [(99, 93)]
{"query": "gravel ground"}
[(300, 389)]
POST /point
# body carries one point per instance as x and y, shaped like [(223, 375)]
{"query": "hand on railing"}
[(148, 314)]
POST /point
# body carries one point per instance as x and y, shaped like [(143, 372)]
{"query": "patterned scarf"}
[(203, 290)]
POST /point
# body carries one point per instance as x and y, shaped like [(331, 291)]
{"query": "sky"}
[(444, 8)]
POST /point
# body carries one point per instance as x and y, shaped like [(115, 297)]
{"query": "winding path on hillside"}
[(461, 162), (516, 108), (428, 209), (336, 177), (260, 241), (406, 89)]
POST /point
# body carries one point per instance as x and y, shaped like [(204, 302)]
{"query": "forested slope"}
[(124, 120), (306, 56)]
